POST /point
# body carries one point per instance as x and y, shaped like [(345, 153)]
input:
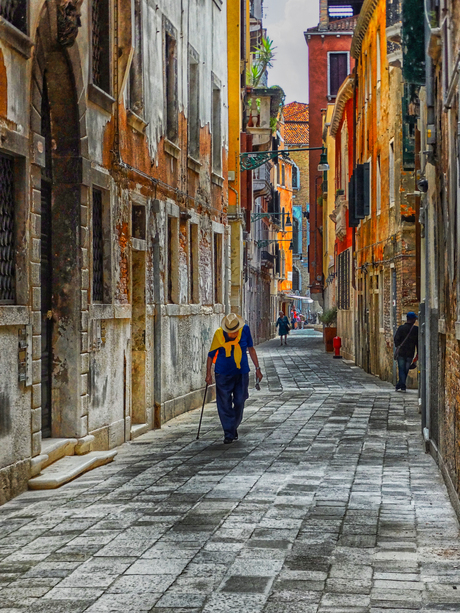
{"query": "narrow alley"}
[(327, 503)]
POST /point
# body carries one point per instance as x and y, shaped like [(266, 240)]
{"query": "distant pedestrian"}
[(229, 354), (293, 320), (406, 345), (282, 323)]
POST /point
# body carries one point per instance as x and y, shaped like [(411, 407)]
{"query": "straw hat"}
[(232, 323)]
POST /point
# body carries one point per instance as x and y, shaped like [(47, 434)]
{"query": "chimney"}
[(323, 15)]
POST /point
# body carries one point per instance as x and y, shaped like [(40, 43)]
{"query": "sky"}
[(286, 21)]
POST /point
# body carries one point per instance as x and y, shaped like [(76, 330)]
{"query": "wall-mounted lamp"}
[(323, 166)]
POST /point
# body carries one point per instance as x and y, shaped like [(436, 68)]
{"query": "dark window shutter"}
[(338, 70), (353, 222), (359, 191), (367, 189)]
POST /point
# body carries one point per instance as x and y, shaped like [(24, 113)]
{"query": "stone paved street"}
[(326, 504)]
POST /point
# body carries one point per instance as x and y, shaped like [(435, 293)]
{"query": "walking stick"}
[(202, 411)]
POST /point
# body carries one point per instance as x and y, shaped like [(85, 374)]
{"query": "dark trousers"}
[(231, 394), (403, 369)]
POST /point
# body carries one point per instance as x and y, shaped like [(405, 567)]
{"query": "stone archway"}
[(58, 195)]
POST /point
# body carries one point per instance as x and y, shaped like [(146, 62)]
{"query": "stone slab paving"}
[(326, 504)]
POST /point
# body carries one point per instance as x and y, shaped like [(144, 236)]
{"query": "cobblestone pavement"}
[(326, 504)]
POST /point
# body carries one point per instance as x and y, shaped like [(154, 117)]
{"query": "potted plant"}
[(329, 321)]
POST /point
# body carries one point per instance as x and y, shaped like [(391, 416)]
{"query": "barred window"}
[(7, 242), (98, 248), (101, 44), (295, 280), (15, 12), (344, 280)]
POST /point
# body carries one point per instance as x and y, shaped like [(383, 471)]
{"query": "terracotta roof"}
[(296, 126), (347, 24), (295, 111)]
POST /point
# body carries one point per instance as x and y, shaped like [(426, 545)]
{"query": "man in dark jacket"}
[(406, 344)]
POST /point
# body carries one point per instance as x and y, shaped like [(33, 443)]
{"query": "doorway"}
[(55, 122), (138, 341)]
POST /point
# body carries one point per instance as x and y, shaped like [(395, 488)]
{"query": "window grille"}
[(15, 12), (344, 280), (98, 253), (7, 259), (101, 44)]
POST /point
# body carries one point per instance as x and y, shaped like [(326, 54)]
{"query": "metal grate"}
[(15, 12), (97, 42), (7, 272), (344, 280), (98, 255)]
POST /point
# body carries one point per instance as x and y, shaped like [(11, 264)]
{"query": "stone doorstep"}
[(68, 468), (138, 429), (57, 448)]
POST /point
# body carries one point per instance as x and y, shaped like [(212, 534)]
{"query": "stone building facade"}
[(434, 51), (383, 211), (115, 262)]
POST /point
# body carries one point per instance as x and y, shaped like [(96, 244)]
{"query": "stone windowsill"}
[(172, 149), (194, 164), (217, 179), (101, 311), (100, 97), (122, 311), (14, 315), (136, 122), (15, 39)]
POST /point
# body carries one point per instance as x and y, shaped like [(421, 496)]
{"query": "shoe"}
[(236, 436), (401, 390), (227, 441)]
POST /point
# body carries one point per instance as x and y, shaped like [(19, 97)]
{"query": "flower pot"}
[(329, 334)]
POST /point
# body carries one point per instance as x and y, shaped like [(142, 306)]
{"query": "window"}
[(173, 258), (278, 174), (15, 12), (193, 105), (217, 268), (98, 248), (171, 82), (378, 186), (216, 127), (193, 263), (139, 222), (338, 71), (295, 280), (136, 81), (379, 70), (283, 175), (391, 163), (283, 219), (100, 18), (295, 178), (343, 301), (295, 236), (7, 249)]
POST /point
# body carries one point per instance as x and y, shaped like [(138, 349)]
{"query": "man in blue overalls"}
[(229, 354)]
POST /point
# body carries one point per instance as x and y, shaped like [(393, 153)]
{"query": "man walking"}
[(406, 344), (229, 354)]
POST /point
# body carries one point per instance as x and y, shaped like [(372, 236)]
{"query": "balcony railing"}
[(15, 12), (268, 259)]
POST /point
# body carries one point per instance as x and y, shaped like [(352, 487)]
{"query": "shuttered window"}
[(338, 71)]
